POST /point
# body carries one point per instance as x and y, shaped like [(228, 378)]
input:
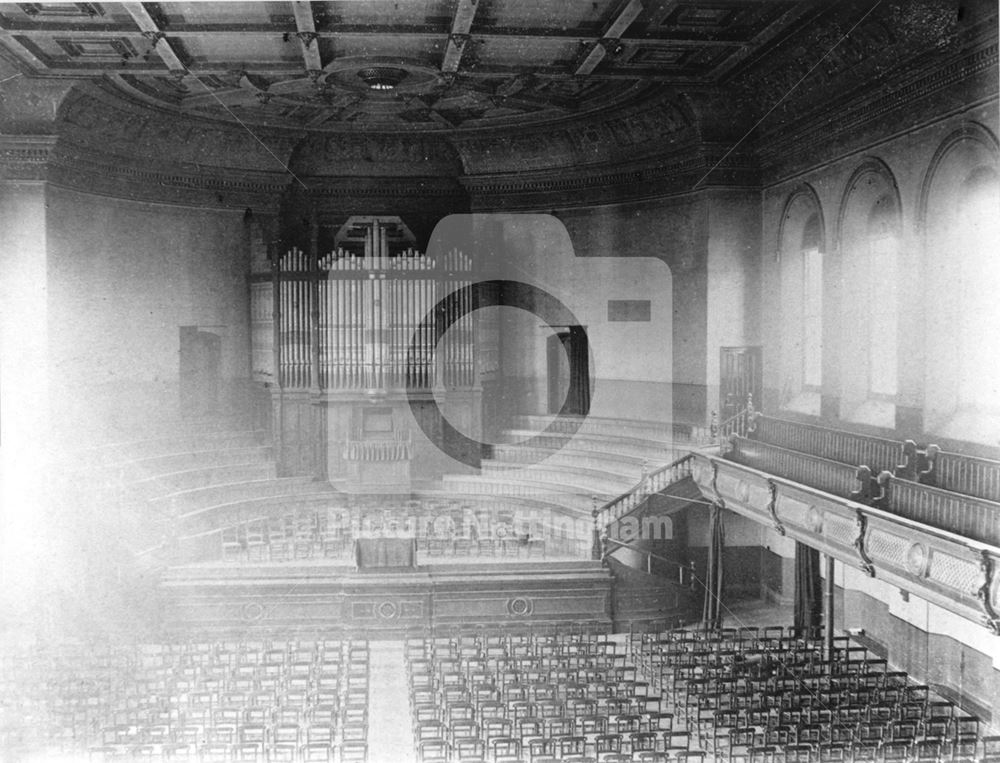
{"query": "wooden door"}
[(740, 375), (558, 370)]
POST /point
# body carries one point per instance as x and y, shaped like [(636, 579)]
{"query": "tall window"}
[(812, 304), (979, 249), (883, 298)]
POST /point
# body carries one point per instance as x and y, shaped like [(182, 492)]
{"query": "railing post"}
[(595, 544), (713, 428), (828, 629), (751, 417)]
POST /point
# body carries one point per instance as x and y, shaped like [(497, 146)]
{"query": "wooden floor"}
[(756, 613)]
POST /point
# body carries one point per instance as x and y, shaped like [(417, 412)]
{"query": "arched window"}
[(979, 330), (871, 304), (801, 245), (812, 303), (882, 278), (961, 214)]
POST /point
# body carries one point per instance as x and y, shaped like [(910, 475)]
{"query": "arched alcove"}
[(960, 202), (802, 243), (869, 233)]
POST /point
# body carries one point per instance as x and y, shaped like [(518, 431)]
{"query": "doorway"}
[(200, 372), (568, 354), (740, 375)]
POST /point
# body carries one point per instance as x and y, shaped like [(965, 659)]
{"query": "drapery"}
[(808, 617), (578, 396), (712, 609)]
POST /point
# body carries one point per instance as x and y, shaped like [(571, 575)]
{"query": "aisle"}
[(390, 737)]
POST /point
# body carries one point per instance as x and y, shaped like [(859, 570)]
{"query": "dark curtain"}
[(712, 610), (808, 592), (578, 396)]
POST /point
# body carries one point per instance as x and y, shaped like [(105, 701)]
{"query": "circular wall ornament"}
[(520, 606), (815, 519), (743, 492), (916, 559), (253, 611), (387, 610)]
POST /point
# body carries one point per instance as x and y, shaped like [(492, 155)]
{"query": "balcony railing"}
[(945, 567)]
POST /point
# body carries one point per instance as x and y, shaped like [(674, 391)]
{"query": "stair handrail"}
[(686, 571), (741, 423), (653, 482)]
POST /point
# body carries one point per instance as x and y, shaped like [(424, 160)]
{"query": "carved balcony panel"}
[(944, 568)]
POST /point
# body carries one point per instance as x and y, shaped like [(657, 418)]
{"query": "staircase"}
[(570, 465)]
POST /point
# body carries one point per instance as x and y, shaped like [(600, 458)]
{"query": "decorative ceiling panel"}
[(562, 15), (266, 49), (526, 52), (420, 47), (56, 11), (721, 20), (225, 14), (379, 14)]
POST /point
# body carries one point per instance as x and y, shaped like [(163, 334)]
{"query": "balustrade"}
[(945, 566), (877, 453)]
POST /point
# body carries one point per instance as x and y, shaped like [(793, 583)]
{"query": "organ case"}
[(347, 337)]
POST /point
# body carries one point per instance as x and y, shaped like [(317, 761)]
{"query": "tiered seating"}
[(299, 700), (949, 491), (573, 471), (535, 697), (175, 462), (756, 694), (197, 476)]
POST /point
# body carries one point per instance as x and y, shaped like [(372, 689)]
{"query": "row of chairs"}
[(278, 700), (470, 702), (258, 541), (747, 700)]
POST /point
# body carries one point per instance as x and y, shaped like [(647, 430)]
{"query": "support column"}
[(26, 442), (828, 609)]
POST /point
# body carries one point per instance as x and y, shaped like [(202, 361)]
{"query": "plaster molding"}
[(783, 145), (26, 157)]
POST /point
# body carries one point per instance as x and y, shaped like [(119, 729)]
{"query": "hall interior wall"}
[(123, 277), (904, 160)]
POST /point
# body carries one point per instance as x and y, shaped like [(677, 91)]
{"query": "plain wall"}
[(124, 277)]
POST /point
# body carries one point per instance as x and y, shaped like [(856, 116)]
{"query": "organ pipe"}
[(354, 320), (313, 294)]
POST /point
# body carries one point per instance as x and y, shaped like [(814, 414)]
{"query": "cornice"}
[(680, 172), (782, 148), (86, 170), (25, 157)]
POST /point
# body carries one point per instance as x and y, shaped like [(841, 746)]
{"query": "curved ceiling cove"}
[(385, 154)]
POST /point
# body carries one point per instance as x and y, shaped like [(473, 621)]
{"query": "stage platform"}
[(338, 601)]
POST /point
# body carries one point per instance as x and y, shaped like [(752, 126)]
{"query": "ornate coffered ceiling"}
[(528, 102), (432, 65)]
